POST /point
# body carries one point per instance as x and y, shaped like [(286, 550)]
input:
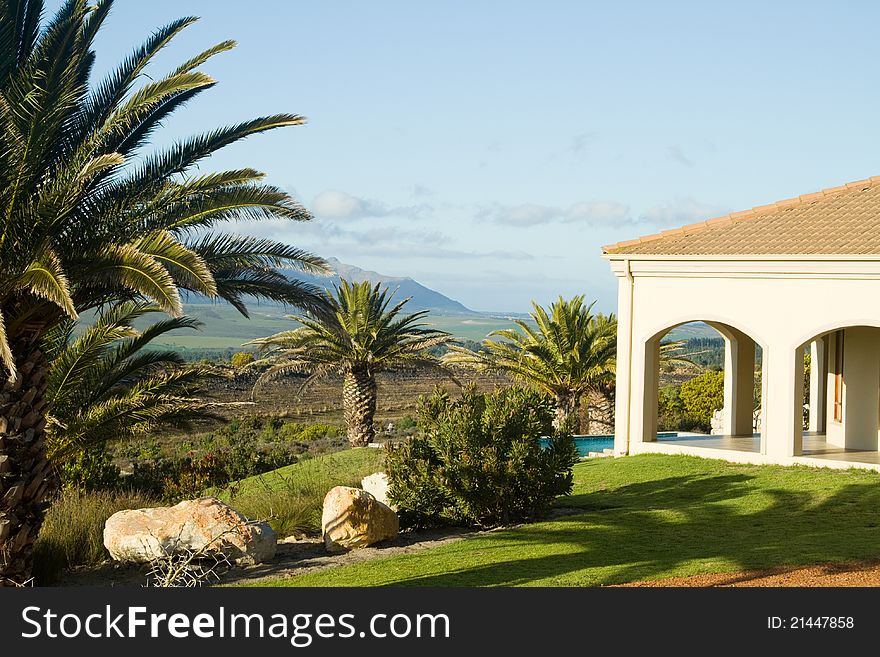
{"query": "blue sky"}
[(488, 149)]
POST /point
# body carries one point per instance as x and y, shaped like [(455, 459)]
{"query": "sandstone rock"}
[(376, 485), (143, 535), (352, 518)]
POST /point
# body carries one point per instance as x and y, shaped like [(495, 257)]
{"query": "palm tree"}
[(89, 216), (106, 384), (358, 338), (568, 352)]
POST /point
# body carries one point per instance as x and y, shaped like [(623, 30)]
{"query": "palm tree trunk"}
[(26, 478), (567, 408), (359, 403)]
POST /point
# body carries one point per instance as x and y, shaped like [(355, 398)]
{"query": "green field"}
[(226, 328), (651, 517)]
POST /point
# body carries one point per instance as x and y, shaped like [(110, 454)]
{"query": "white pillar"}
[(861, 382), (644, 386), (783, 403), (650, 389), (623, 389), (818, 381), (739, 383)]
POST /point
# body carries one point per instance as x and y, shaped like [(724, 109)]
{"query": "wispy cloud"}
[(677, 154), (593, 213), (420, 191), (680, 211)]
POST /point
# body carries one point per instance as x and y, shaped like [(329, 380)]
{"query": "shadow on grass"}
[(652, 529)]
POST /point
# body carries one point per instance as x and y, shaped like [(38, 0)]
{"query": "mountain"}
[(423, 298)]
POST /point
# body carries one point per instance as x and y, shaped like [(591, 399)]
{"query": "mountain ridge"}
[(402, 287)]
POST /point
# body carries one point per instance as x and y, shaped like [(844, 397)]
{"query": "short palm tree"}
[(568, 352), (107, 383), (90, 216), (359, 337)]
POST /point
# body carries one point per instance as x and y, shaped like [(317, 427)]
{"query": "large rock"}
[(352, 518), (144, 535), (376, 485)]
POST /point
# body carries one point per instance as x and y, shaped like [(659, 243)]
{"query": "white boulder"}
[(377, 485), (205, 524)]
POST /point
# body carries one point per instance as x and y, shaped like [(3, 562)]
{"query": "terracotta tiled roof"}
[(841, 220)]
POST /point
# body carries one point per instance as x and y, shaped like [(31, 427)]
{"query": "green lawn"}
[(649, 517)]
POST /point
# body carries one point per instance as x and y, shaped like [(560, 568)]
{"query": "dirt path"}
[(292, 558), (861, 573)]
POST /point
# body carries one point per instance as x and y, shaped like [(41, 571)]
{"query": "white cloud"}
[(338, 205), (333, 204)]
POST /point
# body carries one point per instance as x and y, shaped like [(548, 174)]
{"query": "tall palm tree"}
[(106, 383), (90, 216), (358, 338), (567, 352)]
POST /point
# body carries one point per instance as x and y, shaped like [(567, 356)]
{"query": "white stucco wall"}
[(781, 303)]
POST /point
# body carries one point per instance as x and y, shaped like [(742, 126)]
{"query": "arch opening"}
[(841, 409), (704, 386)]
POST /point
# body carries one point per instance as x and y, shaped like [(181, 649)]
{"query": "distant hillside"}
[(423, 298)]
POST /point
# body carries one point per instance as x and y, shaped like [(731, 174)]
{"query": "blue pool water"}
[(587, 444)]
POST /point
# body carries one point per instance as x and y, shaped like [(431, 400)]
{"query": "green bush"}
[(242, 358), (479, 461), (91, 469), (307, 433), (703, 395), (405, 423), (73, 531), (671, 413), (177, 478)]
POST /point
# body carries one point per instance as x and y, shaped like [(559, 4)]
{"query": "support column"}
[(861, 382), (783, 406), (651, 390), (642, 415), (623, 390), (818, 381), (739, 383)]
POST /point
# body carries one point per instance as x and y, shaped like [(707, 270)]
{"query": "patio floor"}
[(814, 446)]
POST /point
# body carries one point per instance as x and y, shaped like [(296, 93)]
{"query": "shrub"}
[(307, 433), (703, 395), (175, 479), (242, 358), (73, 531), (405, 423), (90, 469), (671, 413), (479, 461)]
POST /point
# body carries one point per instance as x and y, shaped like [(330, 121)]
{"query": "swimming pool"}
[(587, 444)]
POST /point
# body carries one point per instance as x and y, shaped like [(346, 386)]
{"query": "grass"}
[(291, 498), (651, 517), (73, 531)]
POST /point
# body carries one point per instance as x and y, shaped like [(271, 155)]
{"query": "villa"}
[(800, 275)]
